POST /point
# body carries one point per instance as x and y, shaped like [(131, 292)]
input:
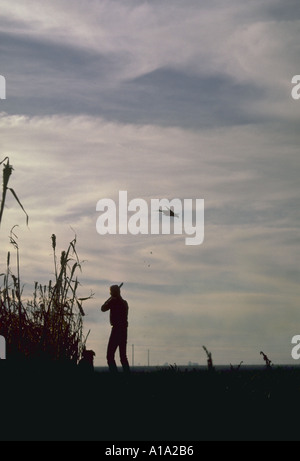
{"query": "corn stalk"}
[(7, 172), (50, 325)]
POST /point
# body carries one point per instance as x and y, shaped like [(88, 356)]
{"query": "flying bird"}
[(169, 213)]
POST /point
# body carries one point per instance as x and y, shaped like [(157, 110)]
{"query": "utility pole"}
[(132, 360), (148, 358)]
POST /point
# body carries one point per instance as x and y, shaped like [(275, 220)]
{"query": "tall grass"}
[(50, 325), (210, 365)]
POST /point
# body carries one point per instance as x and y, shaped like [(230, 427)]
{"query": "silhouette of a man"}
[(118, 308)]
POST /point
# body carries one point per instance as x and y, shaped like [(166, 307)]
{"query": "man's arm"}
[(105, 307)]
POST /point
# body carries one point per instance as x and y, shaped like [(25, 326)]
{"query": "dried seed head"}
[(53, 237)]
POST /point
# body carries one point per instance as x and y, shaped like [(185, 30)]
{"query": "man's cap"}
[(115, 290)]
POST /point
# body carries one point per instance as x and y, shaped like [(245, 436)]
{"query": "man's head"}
[(115, 291)]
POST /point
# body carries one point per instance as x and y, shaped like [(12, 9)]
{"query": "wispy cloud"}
[(145, 62)]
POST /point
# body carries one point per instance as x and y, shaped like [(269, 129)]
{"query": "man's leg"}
[(122, 349), (111, 350)]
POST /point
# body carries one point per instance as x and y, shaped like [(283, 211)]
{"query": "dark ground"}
[(52, 404)]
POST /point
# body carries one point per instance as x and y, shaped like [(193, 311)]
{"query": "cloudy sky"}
[(162, 99)]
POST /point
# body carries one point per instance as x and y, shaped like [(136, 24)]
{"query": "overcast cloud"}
[(169, 100)]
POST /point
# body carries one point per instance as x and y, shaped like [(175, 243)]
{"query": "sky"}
[(162, 99)]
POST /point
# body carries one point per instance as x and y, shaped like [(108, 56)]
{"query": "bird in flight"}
[(169, 212)]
